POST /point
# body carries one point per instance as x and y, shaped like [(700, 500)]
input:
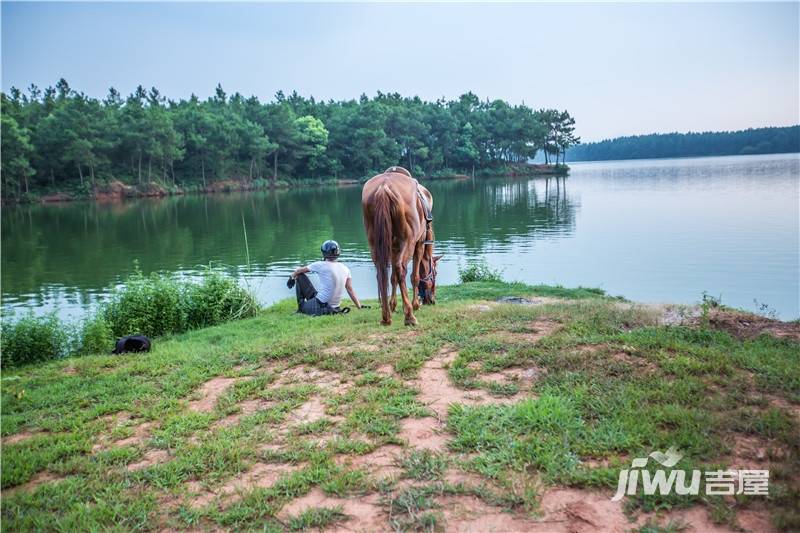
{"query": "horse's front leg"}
[(419, 251), (393, 299), (401, 279)]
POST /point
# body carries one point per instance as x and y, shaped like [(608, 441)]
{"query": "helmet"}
[(330, 249)]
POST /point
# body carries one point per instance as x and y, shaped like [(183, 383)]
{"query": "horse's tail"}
[(383, 208)]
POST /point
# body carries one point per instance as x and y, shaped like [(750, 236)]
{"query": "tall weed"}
[(147, 305), (32, 339), (478, 271), (216, 299)]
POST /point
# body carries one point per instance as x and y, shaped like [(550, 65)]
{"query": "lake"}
[(649, 230)]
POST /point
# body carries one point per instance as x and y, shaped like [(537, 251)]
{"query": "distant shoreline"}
[(752, 141), (682, 157)]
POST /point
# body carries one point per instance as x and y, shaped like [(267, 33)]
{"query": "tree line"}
[(750, 141), (59, 138)]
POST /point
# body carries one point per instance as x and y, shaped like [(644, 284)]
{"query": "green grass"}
[(316, 518), (641, 387), (424, 465)]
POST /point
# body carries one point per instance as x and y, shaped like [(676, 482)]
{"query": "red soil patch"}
[(261, 475), (697, 519), (322, 441), (437, 392), (380, 463), (639, 364), (596, 462), (747, 326), (360, 347), (748, 453), (38, 479), (782, 404), (151, 457), (522, 377), (114, 191), (116, 419), (471, 514), (540, 328), (584, 511), (22, 436), (271, 448), (55, 197), (247, 407), (581, 511), (311, 411), (141, 433), (534, 332), (210, 392), (755, 520), (363, 513), (467, 479), (386, 369), (424, 433), (303, 374)]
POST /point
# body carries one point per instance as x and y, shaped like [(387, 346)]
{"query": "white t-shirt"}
[(332, 277)]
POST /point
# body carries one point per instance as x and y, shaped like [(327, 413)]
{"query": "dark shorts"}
[(316, 308)]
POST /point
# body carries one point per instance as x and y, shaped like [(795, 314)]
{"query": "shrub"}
[(217, 299), (96, 336), (159, 304), (149, 305), (32, 339), (146, 305), (478, 271)]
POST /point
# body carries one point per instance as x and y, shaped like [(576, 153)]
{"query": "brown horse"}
[(397, 217)]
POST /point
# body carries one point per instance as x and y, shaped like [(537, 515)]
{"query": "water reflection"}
[(663, 230), (67, 256)]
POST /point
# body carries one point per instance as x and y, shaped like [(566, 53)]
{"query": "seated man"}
[(333, 277)]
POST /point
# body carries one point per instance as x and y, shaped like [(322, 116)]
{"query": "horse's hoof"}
[(386, 322), (411, 321), (415, 306)]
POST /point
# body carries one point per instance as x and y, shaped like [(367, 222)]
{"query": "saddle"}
[(425, 205)]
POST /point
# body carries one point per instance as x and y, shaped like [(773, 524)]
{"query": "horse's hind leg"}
[(393, 299), (401, 279), (419, 251), (385, 313)]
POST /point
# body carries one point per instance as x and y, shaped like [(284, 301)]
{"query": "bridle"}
[(431, 275)]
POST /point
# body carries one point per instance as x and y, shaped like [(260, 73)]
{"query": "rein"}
[(431, 274), (428, 215)]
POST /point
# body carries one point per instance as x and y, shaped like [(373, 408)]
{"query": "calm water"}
[(652, 230)]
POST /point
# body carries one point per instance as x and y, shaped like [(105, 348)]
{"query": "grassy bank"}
[(152, 305), (117, 190), (511, 416)]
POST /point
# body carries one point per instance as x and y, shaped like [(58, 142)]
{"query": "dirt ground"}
[(459, 498)]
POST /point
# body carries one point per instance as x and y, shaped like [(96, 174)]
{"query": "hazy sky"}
[(618, 68)]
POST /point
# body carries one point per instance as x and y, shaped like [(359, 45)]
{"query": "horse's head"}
[(427, 279)]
